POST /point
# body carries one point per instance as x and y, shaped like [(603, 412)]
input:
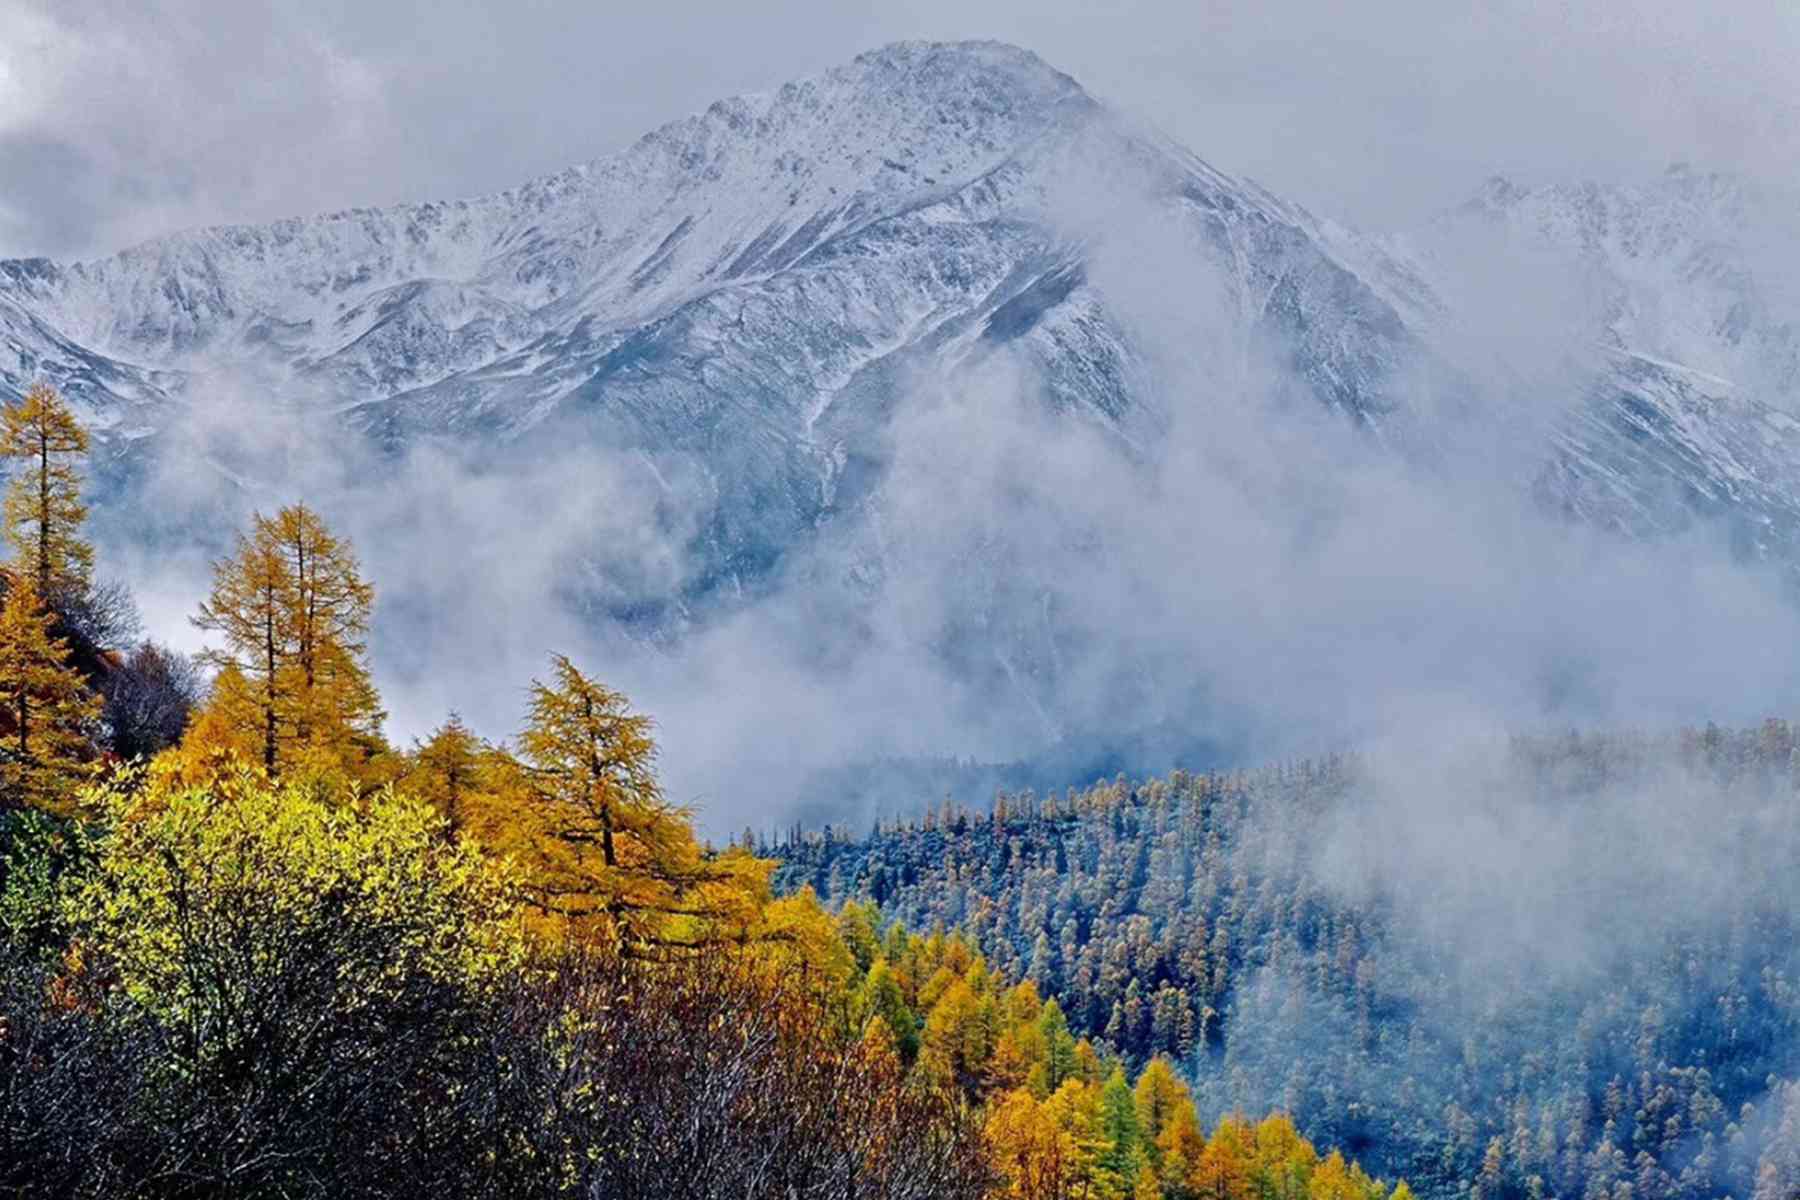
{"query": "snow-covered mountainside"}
[(1682, 292), (744, 297), (1688, 267), (745, 290)]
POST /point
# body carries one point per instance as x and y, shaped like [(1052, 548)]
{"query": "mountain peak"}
[(946, 60), (968, 80)]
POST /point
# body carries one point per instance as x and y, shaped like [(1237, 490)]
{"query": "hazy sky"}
[(120, 119)]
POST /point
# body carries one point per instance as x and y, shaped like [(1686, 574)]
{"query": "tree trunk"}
[(269, 683), (43, 562)]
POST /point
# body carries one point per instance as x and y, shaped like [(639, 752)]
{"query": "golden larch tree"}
[(603, 849), (49, 711), (293, 610), (330, 604), (223, 734), (449, 771), (1226, 1167), (44, 512)]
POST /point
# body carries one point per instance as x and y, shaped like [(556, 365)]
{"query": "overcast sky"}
[(120, 119)]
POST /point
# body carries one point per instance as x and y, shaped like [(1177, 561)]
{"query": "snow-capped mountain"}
[(747, 295), (744, 289)]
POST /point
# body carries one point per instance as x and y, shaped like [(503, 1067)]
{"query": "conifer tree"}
[(248, 605), (883, 1000), (447, 772), (1159, 1094), (330, 608), (1059, 1044), (293, 610), (1227, 1162), (44, 512), (603, 848), (1122, 1152), (46, 703), (1181, 1146), (225, 728)]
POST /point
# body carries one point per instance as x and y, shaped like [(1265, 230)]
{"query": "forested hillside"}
[(1565, 967)]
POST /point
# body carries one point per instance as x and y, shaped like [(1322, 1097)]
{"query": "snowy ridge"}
[(745, 187), (745, 292), (1660, 448), (1693, 267)]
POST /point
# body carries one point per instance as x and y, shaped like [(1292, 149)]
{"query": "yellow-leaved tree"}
[(292, 610), (49, 714), (46, 703), (446, 772), (44, 512), (269, 934), (604, 852), (1036, 1156)]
